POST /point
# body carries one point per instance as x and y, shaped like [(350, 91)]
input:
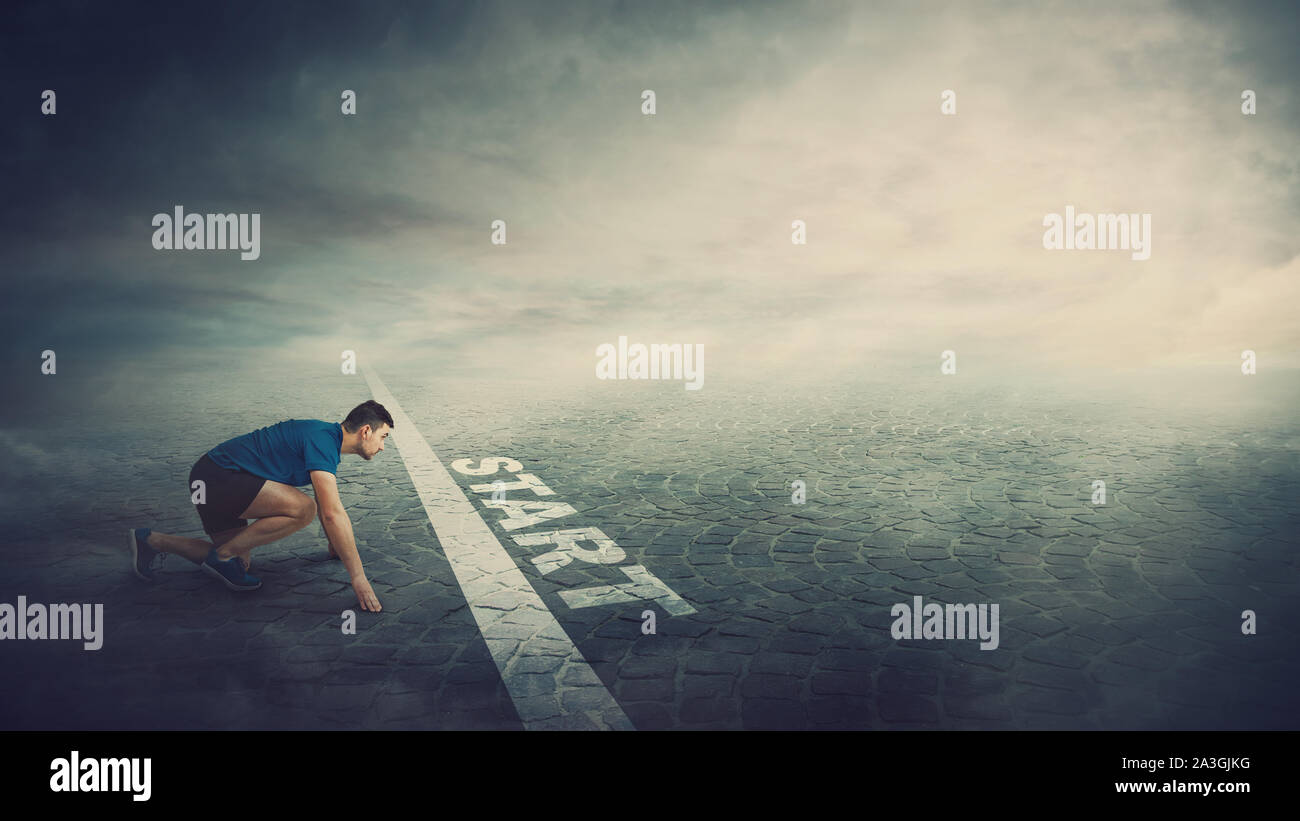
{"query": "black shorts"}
[(226, 494)]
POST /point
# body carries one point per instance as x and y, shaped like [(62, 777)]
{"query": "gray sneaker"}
[(230, 572), (142, 555)]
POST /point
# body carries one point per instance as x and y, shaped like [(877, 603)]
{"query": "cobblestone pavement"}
[(1122, 616)]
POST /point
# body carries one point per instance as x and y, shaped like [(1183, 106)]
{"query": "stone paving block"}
[(1056, 702), (832, 683), (904, 707), (774, 714), (842, 712), (712, 710), (713, 663), (648, 689), (650, 716), (792, 664)]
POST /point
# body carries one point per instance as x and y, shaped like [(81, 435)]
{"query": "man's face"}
[(372, 440)]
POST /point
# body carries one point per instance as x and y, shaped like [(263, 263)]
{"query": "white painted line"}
[(521, 633)]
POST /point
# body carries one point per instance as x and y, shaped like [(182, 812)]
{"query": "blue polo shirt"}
[(284, 452)]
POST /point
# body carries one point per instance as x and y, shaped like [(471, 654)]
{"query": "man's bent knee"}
[(307, 511)]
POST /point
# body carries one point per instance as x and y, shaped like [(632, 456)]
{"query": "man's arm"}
[(338, 528)]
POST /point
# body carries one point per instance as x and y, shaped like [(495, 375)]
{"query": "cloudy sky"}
[(924, 230)]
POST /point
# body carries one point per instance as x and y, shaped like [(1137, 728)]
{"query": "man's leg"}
[(196, 550), (280, 510), (225, 489)]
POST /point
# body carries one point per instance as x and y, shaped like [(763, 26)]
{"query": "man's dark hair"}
[(369, 413)]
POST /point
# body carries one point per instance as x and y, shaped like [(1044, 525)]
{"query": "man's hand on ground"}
[(365, 595)]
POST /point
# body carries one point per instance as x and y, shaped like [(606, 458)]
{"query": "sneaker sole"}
[(212, 571), (135, 556)]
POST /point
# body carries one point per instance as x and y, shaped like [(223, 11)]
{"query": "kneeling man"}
[(256, 476)]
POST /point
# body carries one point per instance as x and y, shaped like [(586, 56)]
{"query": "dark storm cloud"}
[(233, 107), (375, 227), (1263, 34), (194, 104), (191, 104)]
